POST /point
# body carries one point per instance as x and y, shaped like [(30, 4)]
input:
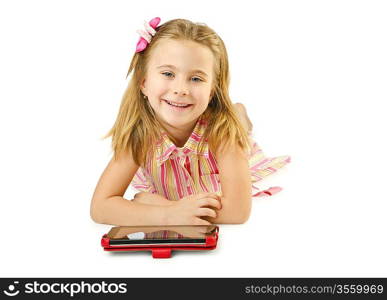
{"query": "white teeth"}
[(175, 104)]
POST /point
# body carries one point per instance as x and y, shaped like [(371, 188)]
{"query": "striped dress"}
[(178, 172)]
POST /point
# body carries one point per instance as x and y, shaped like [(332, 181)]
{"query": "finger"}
[(210, 202), (208, 195), (199, 221), (202, 229), (203, 212), (209, 229)]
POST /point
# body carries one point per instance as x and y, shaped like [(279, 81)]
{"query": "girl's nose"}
[(182, 92), (180, 88)]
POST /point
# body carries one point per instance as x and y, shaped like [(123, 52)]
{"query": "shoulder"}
[(239, 107), (228, 154), (243, 117)]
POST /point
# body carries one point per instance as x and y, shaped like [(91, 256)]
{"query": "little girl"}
[(178, 139)]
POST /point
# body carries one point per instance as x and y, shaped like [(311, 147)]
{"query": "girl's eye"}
[(168, 74)]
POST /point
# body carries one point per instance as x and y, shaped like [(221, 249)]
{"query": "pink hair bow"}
[(147, 34)]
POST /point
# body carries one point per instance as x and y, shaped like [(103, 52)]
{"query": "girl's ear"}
[(142, 86)]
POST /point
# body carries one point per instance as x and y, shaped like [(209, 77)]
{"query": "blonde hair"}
[(136, 129)]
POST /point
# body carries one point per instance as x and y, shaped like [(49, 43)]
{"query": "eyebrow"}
[(173, 67)]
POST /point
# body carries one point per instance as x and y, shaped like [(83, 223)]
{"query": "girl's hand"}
[(192, 231), (153, 199), (190, 209)]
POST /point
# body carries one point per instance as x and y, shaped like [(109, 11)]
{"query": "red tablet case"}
[(162, 251)]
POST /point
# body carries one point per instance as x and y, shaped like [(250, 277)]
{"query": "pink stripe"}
[(169, 150), (260, 163), (141, 178), (163, 185), (212, 164), (189, 190), (140, 186), (177, 178), (187, 181), (137, 179), (188, 165), (215, 170), (195, 137), (199, 167), (214, 183), (203, 185)]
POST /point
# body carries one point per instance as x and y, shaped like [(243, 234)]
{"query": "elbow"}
[(243, 217), (236, 220), (94, 216), (235, 215), (95, 213), (239, 218), (244, 214)]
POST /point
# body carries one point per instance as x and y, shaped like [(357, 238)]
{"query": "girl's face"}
[(181, 73)]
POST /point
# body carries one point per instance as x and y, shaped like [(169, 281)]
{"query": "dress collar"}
[(165, 147)]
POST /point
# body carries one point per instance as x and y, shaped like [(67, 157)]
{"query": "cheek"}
[(203, 95), (157, 87)]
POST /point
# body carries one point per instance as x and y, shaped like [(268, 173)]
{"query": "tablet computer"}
[(160, 239)]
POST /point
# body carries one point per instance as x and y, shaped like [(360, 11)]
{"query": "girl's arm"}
[(149, 198), (119, 211), (108, 205), (235, 180)]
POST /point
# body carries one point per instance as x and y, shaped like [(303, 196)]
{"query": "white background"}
[(312, 75)]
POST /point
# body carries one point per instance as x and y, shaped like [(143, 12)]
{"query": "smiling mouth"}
[(177, 105)]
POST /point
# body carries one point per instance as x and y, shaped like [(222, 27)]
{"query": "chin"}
[(178, 122)]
